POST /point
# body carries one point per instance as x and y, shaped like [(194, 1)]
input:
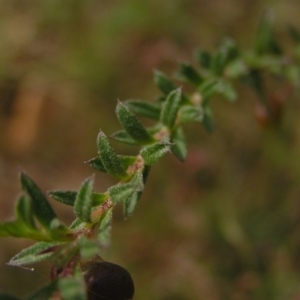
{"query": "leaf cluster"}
[(216, 73)]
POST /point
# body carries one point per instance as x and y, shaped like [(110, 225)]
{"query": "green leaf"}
[(122, 191), (46, 292), (37, 252), (77, 224), (97, 164), (226, 89), (208, 122), (24, 211), (226, 53), (109, 158), (255, 80), (64, 254), (188, 73), (41, 207), (190, 113), (179, 148), (62, 196), (170, 108), (163, 82), (146, 109), (130, 204), (104, 230), (132, 125), (208, 88), (203, 58), (123, 137), (69, 197), (88, 248), (152, 153), (73, 287), (84, 201)]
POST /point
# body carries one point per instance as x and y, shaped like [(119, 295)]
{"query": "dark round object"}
[(107, 281)]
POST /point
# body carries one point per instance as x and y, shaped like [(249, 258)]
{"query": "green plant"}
[(71, 250)]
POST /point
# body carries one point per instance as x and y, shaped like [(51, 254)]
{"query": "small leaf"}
[(24, 211), (33, 254), (208, 88), (41, 207), (18, 228), (104, 230), (191, 113), (152, 153), (122, 191), (179, 148), (163, 82), (187, 73), (146, 109), (73, 287), (170, 108), (77, 224), (132, 125), (65, 197), (203, 58), (123, 137), (84, 201), (109, 158), (64, 254), (97, 164), (88, 248), (46, 292), (208, 122), (255, 80), (226, 89), (130, 204)]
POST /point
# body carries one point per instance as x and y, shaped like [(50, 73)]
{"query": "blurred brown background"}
[(223, 225)]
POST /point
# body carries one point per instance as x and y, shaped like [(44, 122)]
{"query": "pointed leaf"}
[(122, 191), (208, 88), (18, 228), (97, 164), (62, 196), (208, 122), (163, 82), (179, 148), (33, 254), (123, 137), (24, 211), (109, 158), (226, 89), (188, 73), (84, 201), (88, 248), (40, 205), (191, 113), (132, 125), (130, 204), (104, 230), (146, 109), (170, 108), (152, 153)]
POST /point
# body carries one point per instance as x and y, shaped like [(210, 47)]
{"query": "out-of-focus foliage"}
[(225, 224)]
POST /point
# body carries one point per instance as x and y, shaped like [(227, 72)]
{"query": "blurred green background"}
[(223, 225)]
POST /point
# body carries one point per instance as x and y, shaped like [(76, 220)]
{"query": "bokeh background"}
[(223, 225)]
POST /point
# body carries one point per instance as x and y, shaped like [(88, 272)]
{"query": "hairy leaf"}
[(146, 109), (84, 201), (152, 153), (132, 125), (109, 158), (40, 205)]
